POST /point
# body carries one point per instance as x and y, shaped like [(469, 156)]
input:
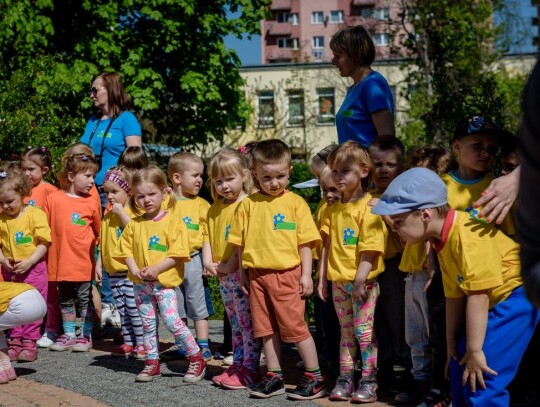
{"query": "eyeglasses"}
[(95, 90)]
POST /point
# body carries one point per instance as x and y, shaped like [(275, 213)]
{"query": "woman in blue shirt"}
[(368, 108)]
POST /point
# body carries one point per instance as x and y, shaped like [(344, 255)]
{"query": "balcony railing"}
[(363, 2), (281, 4), (275, 28), (280, 54)]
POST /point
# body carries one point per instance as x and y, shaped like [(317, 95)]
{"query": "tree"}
[(170, 53)]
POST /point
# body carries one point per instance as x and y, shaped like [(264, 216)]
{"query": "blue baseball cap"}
[(417, 188)]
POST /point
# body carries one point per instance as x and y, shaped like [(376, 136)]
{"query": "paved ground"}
[(95, 379)]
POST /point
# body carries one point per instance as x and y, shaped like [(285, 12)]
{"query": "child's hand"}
[(306, 286), (321, 290), (149, 273), (244, 281), (359, 292), (373, 201), (137, 274), (99, 273), (22, 266), (475, 366), (117, 208), (210, 269), (7, 264), (222, 270)]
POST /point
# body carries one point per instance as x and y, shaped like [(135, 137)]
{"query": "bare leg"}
[(308, 353), (272, 348), (201, 329)]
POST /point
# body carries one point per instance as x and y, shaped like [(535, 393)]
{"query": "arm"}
[(244, 273), (133, 141), (306, 259), (498, 198), (4, 261), (367, 259), (118, 210), (476, 322), (133, 268), (323, 269), (383, 122), (208, 262), (22, 266), (455, 319), (230, 266), (151, 272), (99, 267)]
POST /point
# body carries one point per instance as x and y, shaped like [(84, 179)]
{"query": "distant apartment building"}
[(518, 20), (300, 30)]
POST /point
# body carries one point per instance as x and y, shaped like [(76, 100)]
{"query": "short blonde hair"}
[(352, 153), (12, 178), (177, 163), (229, 162)]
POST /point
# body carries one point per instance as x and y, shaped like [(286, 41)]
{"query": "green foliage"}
[(217, 301), (302, 173)]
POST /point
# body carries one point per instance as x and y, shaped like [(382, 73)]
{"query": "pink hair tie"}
[(242, 149), (116, 176)]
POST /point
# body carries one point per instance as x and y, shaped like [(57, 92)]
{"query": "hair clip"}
[(3, 174), (43, 150), (85, 158), (242, 149)]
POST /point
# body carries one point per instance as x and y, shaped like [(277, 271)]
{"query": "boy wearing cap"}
[(489, 319), (475, 143)]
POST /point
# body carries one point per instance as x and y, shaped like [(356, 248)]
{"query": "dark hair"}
[(431, 156), (133, 158), (270, 152), (356, 43), (119, 100), (388, 143), (39, 156)]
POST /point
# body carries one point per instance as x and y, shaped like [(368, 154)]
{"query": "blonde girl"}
[(352, 258), (154, 247), (74, 215), (230, 182), (24, 237)]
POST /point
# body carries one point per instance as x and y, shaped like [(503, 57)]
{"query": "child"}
[(509, 157), (352, 259), (24, 236), (489, 320), (118, 191), (230, 181), (74, 215), (154, 247), (275, 234), (185, 171), (133, 158)]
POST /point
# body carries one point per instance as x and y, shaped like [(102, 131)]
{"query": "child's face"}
[(475, 152), (81, 182), (387, 167), (115, 194), (273, 178), (191, 178), (230, 186), (11, 202), (149, 197), (330, 192), (409, 226), (33, 171), (347, 177), (509, 163)]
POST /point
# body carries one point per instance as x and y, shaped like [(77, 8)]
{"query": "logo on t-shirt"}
[(102, 132), (190, 226), (347, 113), (153, 244), (76, 219), (119, 231), (459, 278), (227, 232), (471, 210), (31, 202), (280, 224), (20, 238), (348, 237)]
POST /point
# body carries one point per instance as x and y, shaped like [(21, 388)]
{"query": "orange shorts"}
[(276, 305)]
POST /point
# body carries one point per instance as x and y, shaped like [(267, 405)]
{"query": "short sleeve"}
[(325, 222), (130, 125), (124, 248), (479, 265), (42, 231), (236, 236), (306, 229), (375, 96), (371, 235), (177, 236)]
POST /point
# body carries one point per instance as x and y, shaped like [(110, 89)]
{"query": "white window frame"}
[(315, 17), (336, 17), (282, 42), (294, 18), (326, 118), (317, 42), (298, 96), (381, 39), (265, 121), (382, 14)]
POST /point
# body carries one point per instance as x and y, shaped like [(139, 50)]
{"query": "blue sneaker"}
[(207, 354)]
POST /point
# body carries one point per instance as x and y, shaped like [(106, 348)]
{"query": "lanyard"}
[(98, 156)]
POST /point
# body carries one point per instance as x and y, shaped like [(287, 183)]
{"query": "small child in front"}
[(489, 319), (275, 233)]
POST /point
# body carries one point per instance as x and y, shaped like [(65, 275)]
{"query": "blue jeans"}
[(106, 292)]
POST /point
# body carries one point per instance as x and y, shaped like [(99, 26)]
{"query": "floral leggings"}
[(147, 296), (356, 320), (246, 348)]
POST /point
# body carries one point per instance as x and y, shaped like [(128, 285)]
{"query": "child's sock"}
[(69, 328), (316, 372), (203, 343), (277, 372)]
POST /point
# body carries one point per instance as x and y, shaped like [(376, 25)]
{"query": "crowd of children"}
[(386, 250)]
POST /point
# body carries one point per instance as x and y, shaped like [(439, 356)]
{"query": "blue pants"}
[(510, 327)]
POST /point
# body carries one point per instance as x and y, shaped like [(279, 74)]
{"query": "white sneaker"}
[(44, 341), (106, 312), (228, 361), (114, 319)]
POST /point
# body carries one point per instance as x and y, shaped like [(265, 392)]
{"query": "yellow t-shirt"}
[(353, 229), (270, 229), (462, 194), (8, 291), (476, 256), (149, 242), (20, 237), (109, 235), (219, 223), (414, 258), (193, 212)]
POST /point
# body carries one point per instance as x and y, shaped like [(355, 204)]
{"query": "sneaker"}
[(366, 392), (29, 351), (63, 343), (228, 361), (106, 312), (114, 319), (138, 352), (414, 394), (45, 341), (14, 348), (123, 351), (218, 355), (343, 389), (309, 388), (243, 378), (151, 370), (196, 369), (271, 385), (207, 354), (6, 366), (175, 352), (82, 345), (435, 398), (219, 378)]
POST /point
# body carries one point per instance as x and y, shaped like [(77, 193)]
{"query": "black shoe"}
[(271, 385), (309, 388), (415, 394), (435, 398)]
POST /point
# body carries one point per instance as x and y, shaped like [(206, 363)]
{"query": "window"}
[(288, 18), (317, 17), (336, 16), (283, 18), (266, 108), (296, 107), (381, 13), (366, 12), (317, 43), (294, 19), (326, 113), (288, 43), (381, 40)]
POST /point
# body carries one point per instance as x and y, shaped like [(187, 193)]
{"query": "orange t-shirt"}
[(39, 193), (74, 226)]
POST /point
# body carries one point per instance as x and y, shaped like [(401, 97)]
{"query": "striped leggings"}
[(124, 298)]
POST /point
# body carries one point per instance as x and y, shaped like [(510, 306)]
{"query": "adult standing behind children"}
[(368, 108)]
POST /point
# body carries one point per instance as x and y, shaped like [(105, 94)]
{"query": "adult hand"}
[(498, 198)]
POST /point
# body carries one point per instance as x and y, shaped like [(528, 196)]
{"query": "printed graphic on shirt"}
[(459, 278), (76, 219), (471, 210), (102, 132), (347, 113), (348, 237), (20, 238), (190, 226), (280, 224), (32, 202), (227, 232), (153, 244), (119, 231)]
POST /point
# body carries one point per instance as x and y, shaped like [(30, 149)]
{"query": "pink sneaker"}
[(64, 343), (3, 377), (151, 370), (241, 379), (123, 351), (82, 345), (14, 348), (219, 378), (29, 351), (138, 352)]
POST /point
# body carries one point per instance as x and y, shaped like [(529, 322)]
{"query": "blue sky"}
[(248, 50)]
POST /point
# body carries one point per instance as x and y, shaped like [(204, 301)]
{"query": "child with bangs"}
[(36, 163)]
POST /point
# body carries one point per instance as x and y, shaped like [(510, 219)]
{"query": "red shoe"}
[(219, 378), (14, 348), (138, 352), (29, 351), (123, 351), (196, 369), (241, 379), (151, 370)]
